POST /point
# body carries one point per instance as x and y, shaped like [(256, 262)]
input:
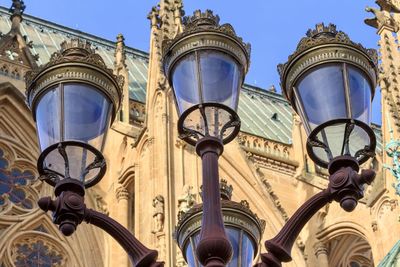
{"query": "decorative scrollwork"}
[(367, 151), (348, 130), (201, 21), (315, 142)]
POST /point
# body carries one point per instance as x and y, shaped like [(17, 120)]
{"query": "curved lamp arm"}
[(69, 210), (346, 186)]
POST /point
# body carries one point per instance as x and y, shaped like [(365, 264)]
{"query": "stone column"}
[(321, 252), (120, 257)]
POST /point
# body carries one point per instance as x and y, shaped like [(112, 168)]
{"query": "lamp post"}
[(330, 82), (206, 65), (74, 98)]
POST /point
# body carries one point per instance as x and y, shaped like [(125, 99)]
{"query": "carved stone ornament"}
[(186, 201), (383, 17), (158, 214), (325, 44), (17, 8), (203, 31), (75, 62)]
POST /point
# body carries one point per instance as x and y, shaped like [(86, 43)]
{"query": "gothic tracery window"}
[(37, 254), (12, 183), (37, 251)]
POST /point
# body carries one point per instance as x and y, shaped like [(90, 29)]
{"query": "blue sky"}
[(272, 27)]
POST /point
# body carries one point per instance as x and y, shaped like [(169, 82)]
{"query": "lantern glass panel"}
[(86, 114), (248, 251), (360, 95), (234, 238), (243, 248), (48, 118), (190, 256), (78, 158), (329, 93), (73, 112), (220, 78), (322, 95), (333, 137), (185, 82), (214, 117)]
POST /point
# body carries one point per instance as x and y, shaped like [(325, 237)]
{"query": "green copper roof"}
[(392, 259), (263, 113), (46, 38), (266, 114)]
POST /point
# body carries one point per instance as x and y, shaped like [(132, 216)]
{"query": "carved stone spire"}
[(166, 21), (387, 27), (119, 54), (120, 69), (14, 49), (17, 9), (387, 21)]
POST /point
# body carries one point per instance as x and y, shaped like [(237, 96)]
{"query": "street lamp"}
[(206, 65), (330, 82), (74, 98)]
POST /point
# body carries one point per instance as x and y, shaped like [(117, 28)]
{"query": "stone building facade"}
[(153, 176)]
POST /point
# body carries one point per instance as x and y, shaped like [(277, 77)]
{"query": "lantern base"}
[(321, 151), (208, 119), (64, 160)]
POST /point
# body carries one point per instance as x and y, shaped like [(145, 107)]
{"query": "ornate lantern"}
[(74, 98), (205, 66), (244, 230), (330, 82)]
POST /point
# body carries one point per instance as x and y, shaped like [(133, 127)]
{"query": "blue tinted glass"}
[(322, 94), (234, 238), (220, 76), (48, 118), (86, 112), (247, 251), (360, 95), (185, 85), (190, 256)]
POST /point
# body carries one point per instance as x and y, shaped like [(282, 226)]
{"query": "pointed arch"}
[(16, 123), (342, 228), (127, 177), (347, 244), (383, 203)]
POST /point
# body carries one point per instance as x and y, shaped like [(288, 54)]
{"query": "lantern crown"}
[(76, 48), (325, 44), (76, 61), (208, 24), (199, 18)]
